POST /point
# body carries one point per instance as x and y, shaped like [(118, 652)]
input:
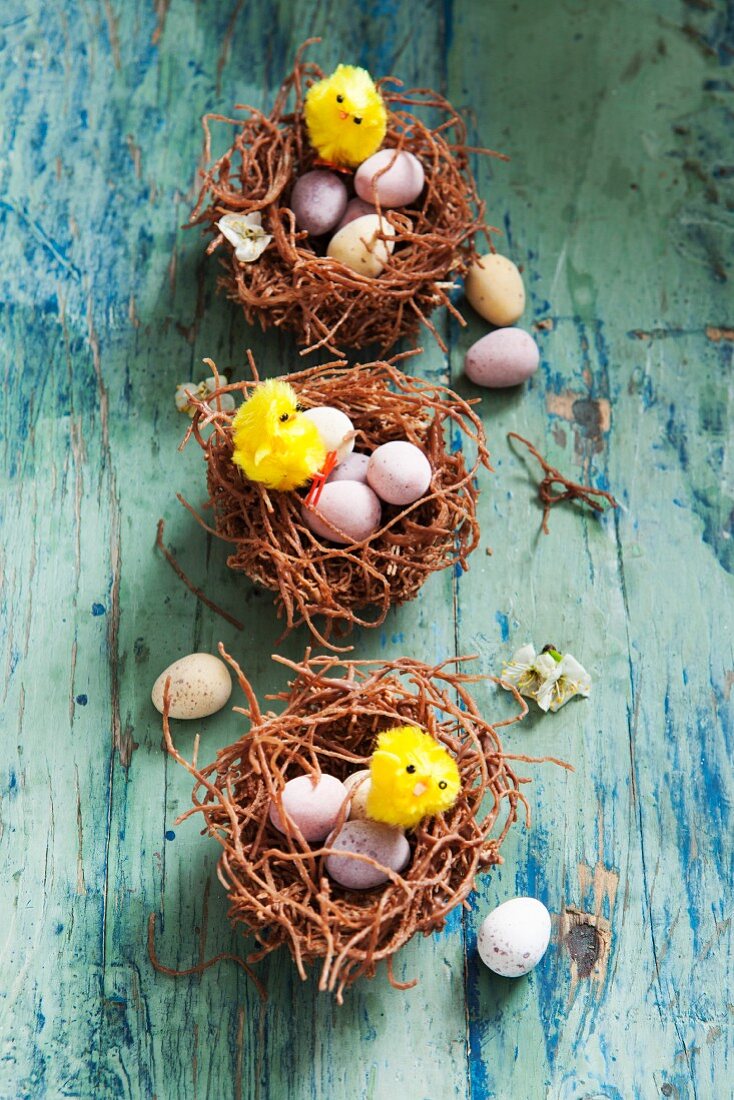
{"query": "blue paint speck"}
[(59, 929), (98, 609), (170, 835), (81, 700), (504, 624)]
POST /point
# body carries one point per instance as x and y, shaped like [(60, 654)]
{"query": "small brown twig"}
[(189, 583), (572, 489)]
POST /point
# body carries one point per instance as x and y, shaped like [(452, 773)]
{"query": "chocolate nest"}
[(333, 587), (292, 285), (333, 711)]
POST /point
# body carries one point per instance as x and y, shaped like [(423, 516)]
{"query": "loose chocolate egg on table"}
[(399, 185), (200, 686), (494, 287), (383, 843), (346, 512), (360, 248), (514, 937), (312, 807), (399, 472), (505, 357), (356, 208), (334, 427), (318, 201), (359, 783), (351, 468)]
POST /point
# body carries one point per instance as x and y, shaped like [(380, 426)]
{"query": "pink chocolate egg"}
[(382, 843), (347, 511), (351, 468), (313, 808), (399, 472), (505, 357), (356, 208), (400, 185), (318, 200)]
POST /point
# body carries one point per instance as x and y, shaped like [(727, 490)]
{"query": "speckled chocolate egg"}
[(359, 246), (356, 208), (312, 807), (359, 782), (386, 845), (351, 468), (347, 511), (318, 200), (399, 185), (505, 357), (494, 287), (200, 686), (334, 427), (399, 472), (514, 937)]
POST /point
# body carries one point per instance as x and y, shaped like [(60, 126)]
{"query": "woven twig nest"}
[(331, 587), (333, 711), (292, 285)]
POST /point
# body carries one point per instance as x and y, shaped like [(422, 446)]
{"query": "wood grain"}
[(618, 203)]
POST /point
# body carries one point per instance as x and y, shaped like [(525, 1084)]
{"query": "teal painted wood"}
[(618, 203)]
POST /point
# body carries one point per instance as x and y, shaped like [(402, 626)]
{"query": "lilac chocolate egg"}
[(318, 201), (356, 208), (346, 512), (400, 185), (386, 845), (313, 808), (351, 468), (399, 472), (505, 357)]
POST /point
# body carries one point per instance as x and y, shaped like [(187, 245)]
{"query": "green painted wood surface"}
[(618, 202)]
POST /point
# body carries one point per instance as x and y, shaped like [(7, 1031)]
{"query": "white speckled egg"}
[(356, 208), (347, 511), (359, 248), (318, 201), (200, 686), (399, 472), (360, 783), (382, 843), (505, 357), (494, 287), (514, 937), (312, 807), (351, 468), (398, 186), (335, 428)]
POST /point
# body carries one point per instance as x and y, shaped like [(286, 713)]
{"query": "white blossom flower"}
[(246, 233), (551, 678), (202, 390)]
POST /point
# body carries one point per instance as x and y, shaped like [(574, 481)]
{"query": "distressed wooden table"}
[(618, 202)]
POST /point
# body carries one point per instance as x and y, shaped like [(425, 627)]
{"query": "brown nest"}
[(291, 286), (317, 579), (334, 709)]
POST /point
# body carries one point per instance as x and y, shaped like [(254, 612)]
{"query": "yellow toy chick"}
[(273, 443), (411, 776), (345, 116)]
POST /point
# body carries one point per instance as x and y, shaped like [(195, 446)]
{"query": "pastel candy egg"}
[(505, 357), (351, 468), (347, 511), (382, 843), (200, 686), (514, 937), (399, 185), (356, 208), (359, 782), (318, 201), (359, 247), (335, 428), (494, 287), (399, 472), (312, 807)]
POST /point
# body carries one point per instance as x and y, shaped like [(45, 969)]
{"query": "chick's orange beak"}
[(344, 114), (420, 788)]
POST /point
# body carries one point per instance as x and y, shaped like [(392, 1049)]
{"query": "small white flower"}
[(246, 233), (202, 390), (551, 678)]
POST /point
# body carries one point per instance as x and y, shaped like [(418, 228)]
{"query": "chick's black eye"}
[(340, 99), (410, 769), (357, 121), (442, 784), (283, 417)]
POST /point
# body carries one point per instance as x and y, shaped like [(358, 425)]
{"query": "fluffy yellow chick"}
[(273, 443), (411, 776), (345, 116)]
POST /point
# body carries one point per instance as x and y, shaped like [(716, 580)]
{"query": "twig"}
[(189, 583)]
